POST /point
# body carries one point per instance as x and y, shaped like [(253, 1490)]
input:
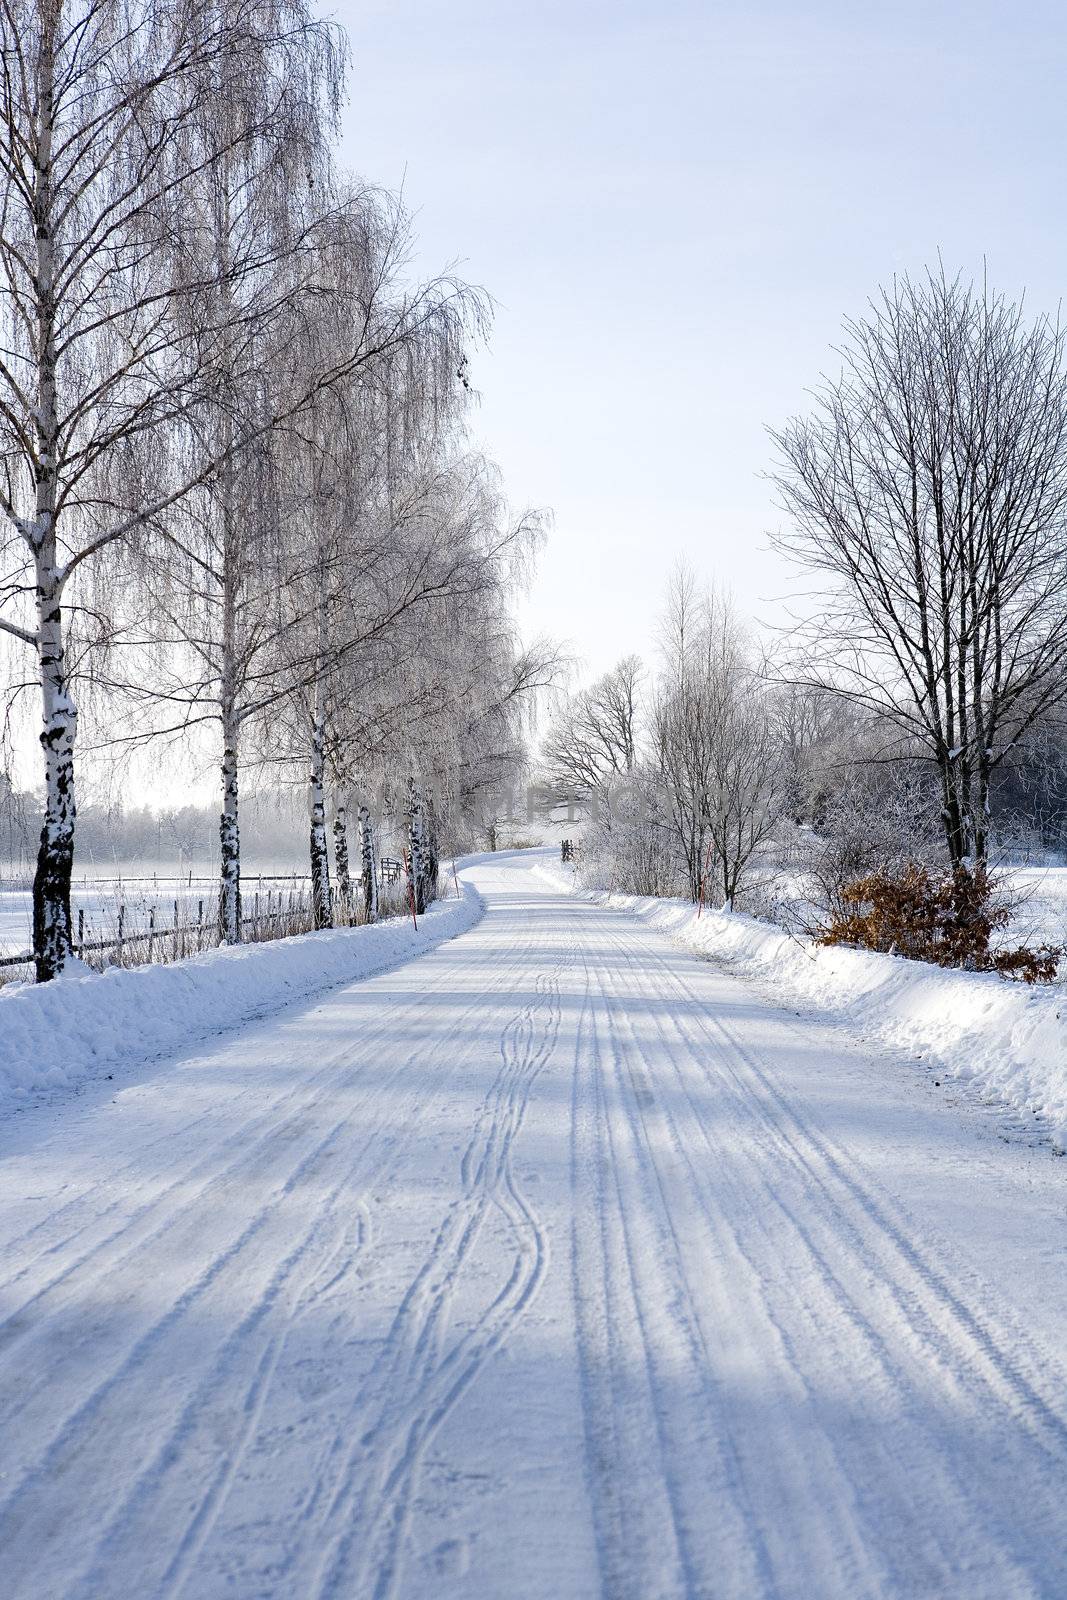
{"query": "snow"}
[(54, 1035), (559, 1262), (99, 902), (1006, 1038)]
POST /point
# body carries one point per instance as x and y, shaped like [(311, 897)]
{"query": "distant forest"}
[(274, 829)]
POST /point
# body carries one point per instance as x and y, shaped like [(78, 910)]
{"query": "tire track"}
[(259, 1342), (231, 1168), (363, 1503), (719, 1304), (110, 1402), (786, 1389), (644, 1533), (927, 1324), (848, 1494), (262, 1128)]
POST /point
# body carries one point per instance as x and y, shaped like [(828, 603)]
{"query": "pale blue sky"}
[(674, 205)]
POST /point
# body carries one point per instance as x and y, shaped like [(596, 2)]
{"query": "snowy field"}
[(556, 1263), (137, 894), (1041, 913)]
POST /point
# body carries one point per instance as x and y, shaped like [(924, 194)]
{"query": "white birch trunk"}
[(417, 845), (230, 919), (341, 861), (320, 861), (432, 860), (52, 943), (229, 835), (368, 865), (229, 829)]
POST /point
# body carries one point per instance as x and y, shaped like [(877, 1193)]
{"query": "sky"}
[(674, 206)]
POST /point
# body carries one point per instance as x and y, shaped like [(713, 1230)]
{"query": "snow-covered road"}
[(555, 1263)]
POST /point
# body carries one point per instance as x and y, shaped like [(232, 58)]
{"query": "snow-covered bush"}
[(627, 843)]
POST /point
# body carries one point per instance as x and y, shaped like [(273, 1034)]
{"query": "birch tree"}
[(109, 111), (367, 446), (368, 863), (422, 680), (255, 581)]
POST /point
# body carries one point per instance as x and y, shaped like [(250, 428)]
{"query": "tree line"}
[(237, 505), (912, 709)]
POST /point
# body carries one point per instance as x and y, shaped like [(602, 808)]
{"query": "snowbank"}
[(56, 1034), (1009, 1039)]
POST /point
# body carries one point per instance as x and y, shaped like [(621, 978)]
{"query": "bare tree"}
[(629, 842), (928, 495), (374, 456), (821, 737), (594, 736), (878, 820), (368, 860), (718, 747)]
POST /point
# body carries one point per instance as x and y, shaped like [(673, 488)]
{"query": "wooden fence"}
[(275, 914)]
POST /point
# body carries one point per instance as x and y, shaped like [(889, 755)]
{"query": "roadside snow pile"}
[(1009, 1039), (58, 1034)]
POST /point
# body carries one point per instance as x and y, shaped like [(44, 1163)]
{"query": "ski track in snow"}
[(535, 1267)]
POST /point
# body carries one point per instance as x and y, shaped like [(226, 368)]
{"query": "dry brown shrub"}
[(948, 919)]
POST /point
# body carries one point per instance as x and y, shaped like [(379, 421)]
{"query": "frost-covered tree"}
[(701, 807), (594, 735), (718, 746), (927, 493), (112, 115), (442, 694), (371, 454), (271, 574), (368, 864), (628, 842)]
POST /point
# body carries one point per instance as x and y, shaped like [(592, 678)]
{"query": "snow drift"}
[(54, 1035), (1009, 1039)]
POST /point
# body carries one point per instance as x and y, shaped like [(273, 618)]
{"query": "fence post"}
[(199, 926), (177, 951), (81, 926), (151, 932), (122, 925), (255, 915)]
